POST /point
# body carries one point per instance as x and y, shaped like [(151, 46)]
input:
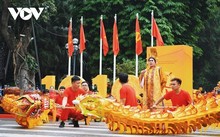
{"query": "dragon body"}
[(32, 110), (125, 119)]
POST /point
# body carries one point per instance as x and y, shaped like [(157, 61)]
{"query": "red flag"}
[(115, 39), (82, 39), (70, 39), (156, 34), (139, 49), (104, 38)]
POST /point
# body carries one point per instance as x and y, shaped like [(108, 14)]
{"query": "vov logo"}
[(25, 13)]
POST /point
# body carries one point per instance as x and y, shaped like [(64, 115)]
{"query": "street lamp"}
[(76, 50)]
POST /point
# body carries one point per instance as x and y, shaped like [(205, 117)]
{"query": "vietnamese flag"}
[(115, 39), (82, 39), (156, 33), (70, 39), (139, 49), (104, 38)]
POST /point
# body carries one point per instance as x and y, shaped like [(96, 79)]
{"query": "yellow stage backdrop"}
[(48, 81), (101, 82), (177, 61), (66, 82)]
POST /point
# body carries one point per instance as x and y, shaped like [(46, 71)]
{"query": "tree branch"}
[(8, 37)]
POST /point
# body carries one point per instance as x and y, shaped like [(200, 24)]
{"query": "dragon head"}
[(92, 105)]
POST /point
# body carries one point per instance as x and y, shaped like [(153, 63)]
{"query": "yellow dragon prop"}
[(30, 110), (124, 119)]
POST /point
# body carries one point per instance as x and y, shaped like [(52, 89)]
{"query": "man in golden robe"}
[(153, 81)]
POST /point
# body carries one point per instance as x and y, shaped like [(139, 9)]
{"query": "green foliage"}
[(179, 23), (50, 9), (32, 63), (128, 66), (195, 23), (207, 71)]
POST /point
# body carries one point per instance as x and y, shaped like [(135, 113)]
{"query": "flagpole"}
[(114, 71), (100, 49), (152, 38), (114, 66), (81, 55), (69, 65), (69, 59), (136, 72)]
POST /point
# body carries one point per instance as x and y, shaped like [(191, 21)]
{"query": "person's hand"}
[(143, 71), (154, 106), (63, 106)]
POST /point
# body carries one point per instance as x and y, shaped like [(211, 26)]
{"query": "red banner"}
[(115, 39), (104, 38), (70, 39), (82, 39), (156, 34), (139, 49)]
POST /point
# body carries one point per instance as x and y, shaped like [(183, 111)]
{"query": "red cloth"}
[(139, 49), (156, 34), (59, 112), (72, 95), (115, 39), (70, 39), (183, 98), (74, 113), (128, 93), (82, 39), (59, 99), (52, 95), (104, 39)]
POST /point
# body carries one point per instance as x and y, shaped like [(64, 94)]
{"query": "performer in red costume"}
[(58, 100), (127, 93), (85, 87), (177, 96), (70, 94)]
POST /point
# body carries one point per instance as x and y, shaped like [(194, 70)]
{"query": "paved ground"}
[(9, 128)]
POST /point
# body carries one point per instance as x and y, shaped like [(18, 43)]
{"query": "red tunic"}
[(72, 95), (128, 93), (59, 99), (183, 98), (52, 95), (74, 113)]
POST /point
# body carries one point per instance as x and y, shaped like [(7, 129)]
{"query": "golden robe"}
[(154, 82)]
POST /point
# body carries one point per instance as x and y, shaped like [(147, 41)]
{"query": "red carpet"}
[(6, 116)]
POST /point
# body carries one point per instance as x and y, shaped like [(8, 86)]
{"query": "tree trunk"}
[(23, 74)]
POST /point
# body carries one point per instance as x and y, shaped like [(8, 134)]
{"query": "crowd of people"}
[(63, 98)]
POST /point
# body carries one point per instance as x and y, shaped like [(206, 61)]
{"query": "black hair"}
[(45, 91), (123, 78), (152, 58), (178, 80), (75, 78), (62, 87)]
